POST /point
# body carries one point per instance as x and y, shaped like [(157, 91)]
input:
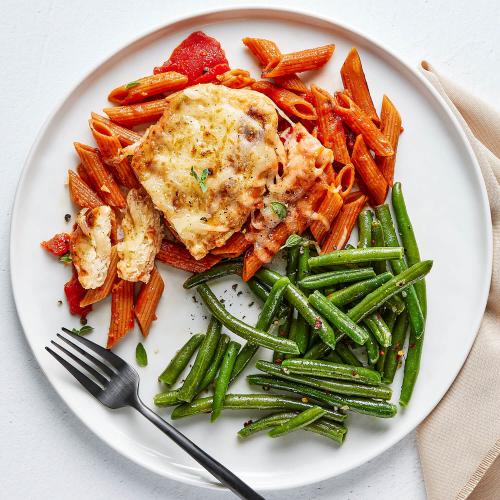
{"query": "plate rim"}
[(196, 16)]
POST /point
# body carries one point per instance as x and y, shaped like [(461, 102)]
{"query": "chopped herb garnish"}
[(202, 178), (294, 240), (84, 330), (141, 355), (279, 209), (66, 258), (132, 84)]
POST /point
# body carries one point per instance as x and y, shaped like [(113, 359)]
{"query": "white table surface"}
[(46, 47)]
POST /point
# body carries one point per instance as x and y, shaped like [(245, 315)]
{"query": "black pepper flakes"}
[(247, 423), (83, 321), (251, 304), (235, 286), (67, 217), (239, 293), (59, 302)]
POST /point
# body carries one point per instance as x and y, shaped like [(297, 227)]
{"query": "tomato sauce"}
[(74, 294), (58, 245)]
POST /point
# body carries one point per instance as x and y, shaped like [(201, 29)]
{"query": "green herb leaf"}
[(141, 355), (66, 258), (132, 84), (294, 240), (279, 209), (201, 179), (84, 330)]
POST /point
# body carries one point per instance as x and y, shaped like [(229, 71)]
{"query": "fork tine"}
[(90, 369), (90, 385), (109, 356), (105, 368)]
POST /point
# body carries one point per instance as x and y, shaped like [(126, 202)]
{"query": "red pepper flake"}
[(247, 423), (278, 361), (382, 353), (58, 245), (318, 323), (74, 294)]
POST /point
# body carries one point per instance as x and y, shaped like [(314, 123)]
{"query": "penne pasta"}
[(97, 294), (292, 82), (345, 179), (353, 78), (327, 211), (101, 179), (82, 173), (330, 127), (135, 114), (110, 148), (125, 135), (234, 246), (288, 101), (360, 123), (344, 223), (368, 171), (122, 311), (297, 62), (235, 79), (81, 194), (147, 301), (177, 255), (141, 89), (390, 126)]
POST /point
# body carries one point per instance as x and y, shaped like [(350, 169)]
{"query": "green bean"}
[(262, 293), (303, 266), (317, 351), (379, 329), (202, 362), (409, 241), (389, 317), (331, 356), (252, 402), (337, 318), (395, 351), (324, 280), (171, 373), (328, 385), (378, 241), (302, 331), (245, 331), (415, 314), (356, 255), (381, 409), (358, 290), (215, 363), (372, 349), (378, 297), (222, 380), (299, 332), (218, 271), (396, 304), (292, 264), (303, 419), (412, 367), (330, 430), (347, 356), (297, 299), (320, 368), (365, 219), (168, 398)]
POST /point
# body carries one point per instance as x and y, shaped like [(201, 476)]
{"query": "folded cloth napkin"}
[(459, 443)]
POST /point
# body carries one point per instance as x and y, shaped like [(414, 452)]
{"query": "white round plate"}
[(445, 195)]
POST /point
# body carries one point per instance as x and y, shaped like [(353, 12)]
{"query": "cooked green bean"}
[(365, 219), (303, 419), (168, 398), (381, 409), (390, 319), (337, 318), (324, 280), (379, 329), (297, 299), (372, 349), (331, 430), (358, 290), (329, 385), (252, 402), (415, 314), (405, 228), (245, 331), (356, 255), (171, 373), (218, 271), (262, 293), (317, 351), (302, 331), (223, 378), (347, 356), (292, 264), (331, 356), (299, 332), (215, 363), (320, 368), (394, 353), (202, 362), (378, 297), (396, 304), (412, 367), (378, 241)]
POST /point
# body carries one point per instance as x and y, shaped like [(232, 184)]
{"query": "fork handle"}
[(215, 468)]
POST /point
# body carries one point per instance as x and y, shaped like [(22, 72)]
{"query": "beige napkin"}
[(459, 443)]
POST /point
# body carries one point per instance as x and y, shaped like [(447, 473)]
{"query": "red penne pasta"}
[(293, 83), (297, 62), (330, 128), (177, 255), (135, 114), (368, 171), (101, 179), (110, 148), (125, 135), (345, 179), (122, 311), (81, 194), (234, 247), (97, 294), (235, 79), (390, 126), (360, 123), (147, 301), (353, 78), (141, 89), (344, 223), (327, 211), (289, 102)]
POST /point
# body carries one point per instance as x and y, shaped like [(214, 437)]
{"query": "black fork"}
[(115, 384)]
